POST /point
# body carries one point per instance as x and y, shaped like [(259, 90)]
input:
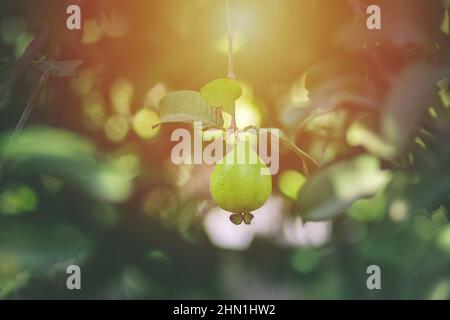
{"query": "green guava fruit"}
[(241, 186)]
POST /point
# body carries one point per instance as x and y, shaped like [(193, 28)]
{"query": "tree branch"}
[(24, 61)]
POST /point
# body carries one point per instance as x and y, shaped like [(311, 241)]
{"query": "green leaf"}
[(188, 106), (39, 244), (406, 104), (34, 246), (31, 245), (333, 190), (337, 81), (371, 209), (431, 188), (222, 93), (62, 154), (364, 132), (59, 68)]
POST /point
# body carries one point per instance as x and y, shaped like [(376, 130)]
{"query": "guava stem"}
[(231, 74), (233, 125)]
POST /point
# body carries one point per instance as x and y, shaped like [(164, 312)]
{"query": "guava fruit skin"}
[(240, 188)]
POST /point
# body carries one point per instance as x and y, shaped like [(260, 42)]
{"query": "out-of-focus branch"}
[(24, 61), (34, 48), (31, 103), (24, 117), (21, 65)]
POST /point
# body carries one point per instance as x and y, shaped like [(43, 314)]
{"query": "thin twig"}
[(31, 103)]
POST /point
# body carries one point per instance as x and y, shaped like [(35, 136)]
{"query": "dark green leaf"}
[(59, 153), (406, 103), (334, 189)]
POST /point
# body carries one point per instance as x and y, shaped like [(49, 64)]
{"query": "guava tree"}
[(86, 119)]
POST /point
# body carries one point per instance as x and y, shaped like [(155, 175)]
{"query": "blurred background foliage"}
[(90, 182)]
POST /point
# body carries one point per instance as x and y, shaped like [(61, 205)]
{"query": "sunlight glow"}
[(239, 41)]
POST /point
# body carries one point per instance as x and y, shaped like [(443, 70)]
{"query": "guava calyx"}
[(238, 218)]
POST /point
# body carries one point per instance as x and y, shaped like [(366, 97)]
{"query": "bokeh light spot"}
[(94, 110), (92, 32), (143, 123), (155, 94), (309, 234), (290, 182), (398, 210), (114, 24), (121, 95), (111, 184), (116, 128), (18, 199), (128, 163), (305, 260)]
